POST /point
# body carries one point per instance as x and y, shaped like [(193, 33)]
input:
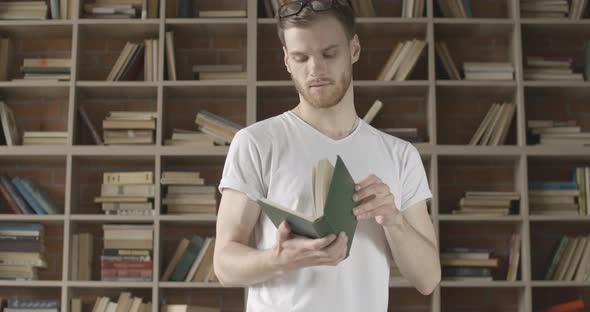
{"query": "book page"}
[(323, 178)]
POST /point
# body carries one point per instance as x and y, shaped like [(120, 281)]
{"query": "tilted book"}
[(333, 187)]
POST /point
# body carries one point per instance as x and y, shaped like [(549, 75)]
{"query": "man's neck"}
[(335, 122)]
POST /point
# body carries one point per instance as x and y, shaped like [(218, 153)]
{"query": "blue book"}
[(467, 7), (40, 195), (28, 196), (188, 257), (552, 185), (21, 226), (18, 199)]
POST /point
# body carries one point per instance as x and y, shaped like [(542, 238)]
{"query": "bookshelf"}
[(445, 112)]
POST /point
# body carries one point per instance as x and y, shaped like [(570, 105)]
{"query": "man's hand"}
[(377, 201), (294, 252)]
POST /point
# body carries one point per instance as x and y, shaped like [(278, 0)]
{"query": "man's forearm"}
[(241, 265), (416, 256)]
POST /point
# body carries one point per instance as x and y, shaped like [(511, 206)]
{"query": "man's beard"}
[(330, 96)]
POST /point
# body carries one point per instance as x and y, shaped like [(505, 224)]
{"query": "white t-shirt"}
[(274, 158)]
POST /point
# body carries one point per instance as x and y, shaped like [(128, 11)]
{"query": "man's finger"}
[(283, 231), (373, 204), (367, 181)]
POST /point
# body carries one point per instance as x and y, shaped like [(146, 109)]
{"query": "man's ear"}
[(355, 48), (285, 58)]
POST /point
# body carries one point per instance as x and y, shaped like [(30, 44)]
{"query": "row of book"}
[(22, 250), (127, 193), (130, 61), (562, 197), (488, 203), (407, 134), (402, 60), (570, 260), (23, 10), (26, 196), (120, 9), (127, 252), (192, 261), (549, 132), (493, 129), (573, 9)]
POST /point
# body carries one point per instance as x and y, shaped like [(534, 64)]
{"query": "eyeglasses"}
[(294, 7)]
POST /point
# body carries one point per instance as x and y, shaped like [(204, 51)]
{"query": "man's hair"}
[(342, 12)]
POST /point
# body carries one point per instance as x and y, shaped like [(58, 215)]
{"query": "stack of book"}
[(123, 9), (192, 261), (550, 68), (192, 138), (544, 8), (445, 58), (402, 60), (82, 256), (216, 72), (22, 250), (33, 305), (186, 193), (488, 71), (493, 129), (467, 264), (46, 69), (570, 260), (129, 128), (221, 13), (550, 132), (455, 8), (216, 126), (23, 10), (129, 63), (413, 8), (26, 196), (127, 193), (127, 252), (45, 138), (126, 302), (488, 203), (560, 197)]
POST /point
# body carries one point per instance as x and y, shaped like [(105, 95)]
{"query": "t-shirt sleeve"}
[(243, 167), (414, 181)]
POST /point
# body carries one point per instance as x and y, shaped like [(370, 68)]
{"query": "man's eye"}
[(299, 59), (329, 55)]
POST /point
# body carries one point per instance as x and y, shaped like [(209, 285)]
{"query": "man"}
[(273, 159)]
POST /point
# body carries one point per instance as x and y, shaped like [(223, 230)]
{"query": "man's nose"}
[(317, 66)]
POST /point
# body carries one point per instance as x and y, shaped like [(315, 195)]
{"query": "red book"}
[(11, 203), (568, 306)]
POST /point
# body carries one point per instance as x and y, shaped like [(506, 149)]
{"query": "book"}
[(333, 187)]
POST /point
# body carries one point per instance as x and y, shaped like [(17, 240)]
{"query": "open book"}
[(332, 187)]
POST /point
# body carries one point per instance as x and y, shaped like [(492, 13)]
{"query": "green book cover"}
[(337, 217)]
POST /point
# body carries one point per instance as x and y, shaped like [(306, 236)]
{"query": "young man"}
[(273, 159)]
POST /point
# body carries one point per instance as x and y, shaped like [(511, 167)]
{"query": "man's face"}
[(319, 60)]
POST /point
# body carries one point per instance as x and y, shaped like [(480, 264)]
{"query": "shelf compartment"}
[(482, 299), (224, 299), (544, 297), (459, 174), (88, 294), (481, 9), (99, 101), (172, 7), (87, 177), (101, 44)]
